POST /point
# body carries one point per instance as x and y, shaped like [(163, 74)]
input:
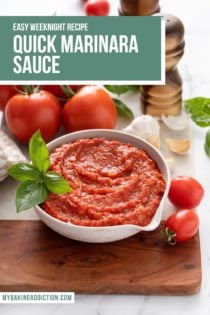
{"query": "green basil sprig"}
[(121, 89), (36, 181), (207, 143), (122, 109), (199, 109)]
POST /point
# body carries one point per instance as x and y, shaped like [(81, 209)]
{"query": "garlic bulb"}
[(176, 123), (147, 128)]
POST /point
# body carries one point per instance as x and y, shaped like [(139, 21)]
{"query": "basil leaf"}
[(123, 110), (121, 89), (199, 108), (207, 143), (56, 183), (24, 172), (38, 152), (30, 194)]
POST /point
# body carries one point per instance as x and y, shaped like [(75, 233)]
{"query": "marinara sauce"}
[(113, 183)]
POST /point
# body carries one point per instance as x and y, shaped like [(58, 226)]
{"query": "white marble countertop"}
[(195, 71)]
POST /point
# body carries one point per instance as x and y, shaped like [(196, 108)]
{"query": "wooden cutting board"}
[(34, 258)]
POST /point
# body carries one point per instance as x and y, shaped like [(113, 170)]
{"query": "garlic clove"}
[(179, 146)]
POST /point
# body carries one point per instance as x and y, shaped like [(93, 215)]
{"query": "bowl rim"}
[(62, 140)]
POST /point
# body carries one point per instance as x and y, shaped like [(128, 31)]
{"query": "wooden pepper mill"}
[(167, 99), (139, 7)]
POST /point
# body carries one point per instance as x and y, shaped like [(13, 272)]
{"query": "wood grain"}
[(34, 258)]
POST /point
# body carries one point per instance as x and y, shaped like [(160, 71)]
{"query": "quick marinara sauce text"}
[(113, 183)]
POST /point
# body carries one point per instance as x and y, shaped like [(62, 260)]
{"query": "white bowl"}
[(107, 233)]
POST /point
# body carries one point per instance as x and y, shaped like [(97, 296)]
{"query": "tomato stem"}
[(17, 89), (169, 236), (67, 90), (30, 89)]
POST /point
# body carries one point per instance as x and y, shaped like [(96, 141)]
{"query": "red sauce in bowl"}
[(113, 183)]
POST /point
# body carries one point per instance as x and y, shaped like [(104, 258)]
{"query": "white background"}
[(195, 69)]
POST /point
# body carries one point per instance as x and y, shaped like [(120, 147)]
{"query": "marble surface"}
[(195, 71)]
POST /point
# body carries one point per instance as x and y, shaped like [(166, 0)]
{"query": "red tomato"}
[(97, 7), (25, 114), (57, 90), (90, 108), (181, 226), (185, 192), (6, 92)]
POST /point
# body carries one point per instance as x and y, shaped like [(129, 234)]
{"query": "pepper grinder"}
[(167, 99), (139, 7)]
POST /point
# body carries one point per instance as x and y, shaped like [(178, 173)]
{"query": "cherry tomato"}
[(185, 192), (26, 113), (181, 226), (57, 90), (6, 92), (90, 108), (97, 7)]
